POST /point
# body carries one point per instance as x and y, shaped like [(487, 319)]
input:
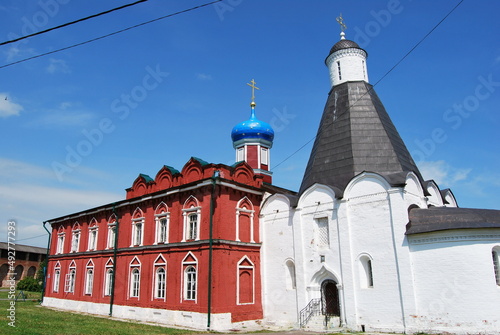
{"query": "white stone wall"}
[(352, 66), (455, 282)]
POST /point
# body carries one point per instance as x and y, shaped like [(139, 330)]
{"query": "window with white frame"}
[(108, 281), (496, 265), (191, 223), (264, 156), (162, 221), (322, 232), (69, 284), (93, 238), (190, 283), (137, 231), (56, 280), (75, 238), (111, 235), (135, 282), (89, 280), (60, 243), (160, 283), (192, 226), (240, 154)]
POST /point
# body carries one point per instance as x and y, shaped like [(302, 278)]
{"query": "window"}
[(189, 277), (190, 283), (291, 282), (264, 156), (137, 232), (340, 73), (57, 278), (89, 281), (193, 226), (244, 220), (108, 281), (75, 239), (160, 283), (60, 243), (366, 272), (496, 266), (245, 282), (364, 69), (69, 285), (111, 235), (93, 238), (191, 213), (240, 154), (322, 233), (134, 283)]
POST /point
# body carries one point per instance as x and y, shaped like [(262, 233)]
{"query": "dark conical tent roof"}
[(356, 134)]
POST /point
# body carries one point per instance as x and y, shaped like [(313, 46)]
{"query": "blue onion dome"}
[(252, 128)]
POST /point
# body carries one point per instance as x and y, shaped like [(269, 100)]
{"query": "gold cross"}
[(340, 21), (252, 85)]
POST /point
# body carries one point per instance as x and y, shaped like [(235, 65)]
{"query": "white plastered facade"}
[(432, 282)]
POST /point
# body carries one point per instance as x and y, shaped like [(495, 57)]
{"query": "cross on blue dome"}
[(252, 128)]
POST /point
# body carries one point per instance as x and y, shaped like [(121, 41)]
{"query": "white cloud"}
[(7, 107), (58, 66), (203, 76), (443, 173), (15, 53)]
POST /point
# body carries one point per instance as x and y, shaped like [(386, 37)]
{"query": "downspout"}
[(47, 258), (115, 246), (210, 250)]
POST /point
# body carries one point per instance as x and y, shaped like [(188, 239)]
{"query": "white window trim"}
[(185, 265), (135, 222), (132, 267), (264, 156), (108, 267), (60, 243), (75, 235), (110, 243), (92, 230), (158, 218), (186, 212), (57, 279), (89, 281), (69, 283), (245, 267), (156, 282)]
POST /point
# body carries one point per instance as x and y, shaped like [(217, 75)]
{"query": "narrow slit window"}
[(340, 72)]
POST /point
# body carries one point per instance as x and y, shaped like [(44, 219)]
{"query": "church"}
[(365, 244)]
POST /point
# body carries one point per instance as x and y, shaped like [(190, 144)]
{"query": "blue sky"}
[(78, 126)]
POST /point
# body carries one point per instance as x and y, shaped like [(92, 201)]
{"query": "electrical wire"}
[(72, 22), (110, 34), (378, 81)]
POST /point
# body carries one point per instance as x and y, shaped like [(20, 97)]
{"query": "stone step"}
[(317, 323)]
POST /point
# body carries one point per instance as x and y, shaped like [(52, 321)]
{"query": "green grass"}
[(33, 319)]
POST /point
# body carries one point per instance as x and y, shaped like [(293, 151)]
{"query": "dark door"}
[(330, 298)]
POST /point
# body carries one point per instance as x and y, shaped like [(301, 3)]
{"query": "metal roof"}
[(24, 248), (425, 220), (355, 135)]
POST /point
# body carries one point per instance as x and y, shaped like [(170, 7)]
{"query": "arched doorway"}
[(330, 298), (31, 272)]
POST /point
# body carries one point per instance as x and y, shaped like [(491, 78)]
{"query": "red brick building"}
[(182, 248)]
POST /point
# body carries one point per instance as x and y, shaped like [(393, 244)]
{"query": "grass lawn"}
[(33, 319)]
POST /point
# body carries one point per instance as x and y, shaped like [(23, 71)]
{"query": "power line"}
[(72, 22), (378, 81), (110, 34)]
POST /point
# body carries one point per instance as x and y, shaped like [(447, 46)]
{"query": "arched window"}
[(135, 281), (108, 281), (366, 272), (190, 283), (244, 220), (93, 235), (192, 218), (57, 277), (290, 275), (89, 281), (160, 283), (137, 228), (162, 217), (69, 285), (496, 265), (31, 271), (75, 237), (111, 232), (60, 241)]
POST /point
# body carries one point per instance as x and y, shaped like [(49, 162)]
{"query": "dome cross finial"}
[(252, 85), (343, 27)]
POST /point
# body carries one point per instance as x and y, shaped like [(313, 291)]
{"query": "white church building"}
[(367, 243)]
